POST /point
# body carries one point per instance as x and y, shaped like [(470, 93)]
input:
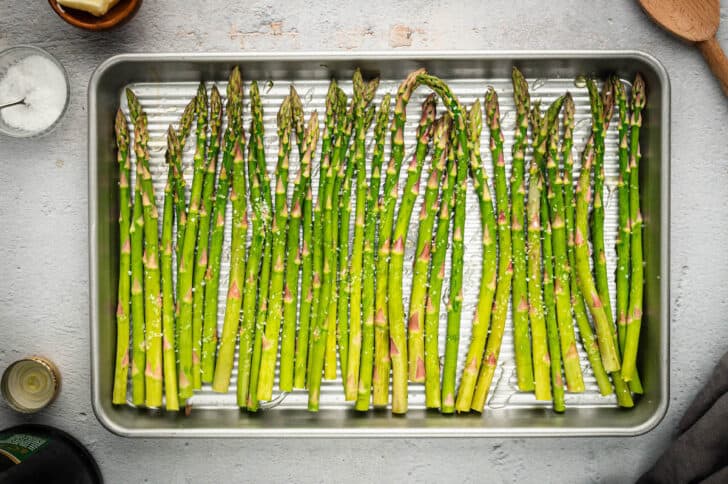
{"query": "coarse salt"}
[(43, 85)]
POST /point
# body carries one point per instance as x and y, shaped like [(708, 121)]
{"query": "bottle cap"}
[(30, 384)]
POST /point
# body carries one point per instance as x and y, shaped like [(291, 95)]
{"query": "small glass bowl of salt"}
[(33, 75)]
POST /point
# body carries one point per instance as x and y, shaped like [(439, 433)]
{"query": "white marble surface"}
[(43, 240)]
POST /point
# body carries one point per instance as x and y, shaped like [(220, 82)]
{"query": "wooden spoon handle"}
[(716, 59)]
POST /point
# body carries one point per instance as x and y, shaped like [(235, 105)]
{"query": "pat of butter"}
[(94, 7)]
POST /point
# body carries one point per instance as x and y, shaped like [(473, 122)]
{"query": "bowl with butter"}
[(95, 14)]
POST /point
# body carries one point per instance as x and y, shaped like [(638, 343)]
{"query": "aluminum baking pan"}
[(165, 82)]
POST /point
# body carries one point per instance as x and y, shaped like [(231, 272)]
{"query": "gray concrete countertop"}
[(44, 248)]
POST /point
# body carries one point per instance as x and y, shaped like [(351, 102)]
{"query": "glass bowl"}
[(10, 56)]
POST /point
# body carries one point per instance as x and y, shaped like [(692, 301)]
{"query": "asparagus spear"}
[(577, 302), (180, 205), (304, 317), (380, 377), (552, 327), (152, 290), (317, 255), (368, 266), (505, 265), (249, 333), (136, 236), (602, 108), (455, 298), (465, 155), (524, 364), (169, 356), (212, 276), (588, 289), (437, 276), (234, 140), (293, 250), (226, 353), (540, 130), (395, 307), (203, 240), (428, 214), (634, 313), (342, 176), (256, 108), (185, 265), (363, 120), (278, 230), (482, 316), (124, 294), (623, 236), (323, 334), (606, 101), (569, 353), (539, 334), (293, 263)]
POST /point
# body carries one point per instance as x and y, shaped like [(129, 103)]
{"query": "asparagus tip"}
[(638, 91)]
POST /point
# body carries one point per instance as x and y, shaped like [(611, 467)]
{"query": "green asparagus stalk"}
[(540, 130), (311, 280), (455, 298), (552, 326), (136, 236), (249, 333), (266, 268), (380, 377), (505, 265), (539, 334), (395, 308), (524, 364), (481, 318), (465, 155), (324, 333), (364, 391), (602, 108), (180, 204), (334, 176), (623, 236), (562, 293), (354, 276), (634, 313), (278, 232), (342, 176), (360, 121), (437, 276), (288, 338), (226, 352), (577, 302), (152, 290), (306, 309), (624, 397), (185, 266), (610, 358), (124, 289), (169, 356), (212, 276), (423, 253), (203, 238)]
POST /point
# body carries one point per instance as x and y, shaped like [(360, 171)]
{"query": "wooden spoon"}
[(694, 21)]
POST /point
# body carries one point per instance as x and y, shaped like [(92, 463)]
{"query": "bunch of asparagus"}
[(305, 286)]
